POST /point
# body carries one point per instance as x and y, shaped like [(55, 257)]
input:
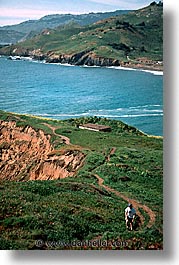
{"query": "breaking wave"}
[(95, 66), (137, 111)]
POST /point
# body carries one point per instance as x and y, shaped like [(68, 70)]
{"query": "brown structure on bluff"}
[(95, 127)]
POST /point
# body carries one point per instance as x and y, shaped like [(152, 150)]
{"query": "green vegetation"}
[(30, 28), (137, 34), (79, 207)]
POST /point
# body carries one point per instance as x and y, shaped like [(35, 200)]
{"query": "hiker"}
[(130, 214)]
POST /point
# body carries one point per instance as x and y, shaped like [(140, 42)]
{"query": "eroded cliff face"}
[(26, 154), (86, 57)]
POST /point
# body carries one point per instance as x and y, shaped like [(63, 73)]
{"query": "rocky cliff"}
[(86, 57), (27, 154), (115, 41)]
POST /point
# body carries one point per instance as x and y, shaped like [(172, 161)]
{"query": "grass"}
[(77, 208), (116, 38), (54, 210)]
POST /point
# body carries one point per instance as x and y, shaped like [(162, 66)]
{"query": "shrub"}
[(94, 160)]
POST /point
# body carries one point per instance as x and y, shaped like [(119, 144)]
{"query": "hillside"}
[(25, 30), (93, 177), (133, 40)]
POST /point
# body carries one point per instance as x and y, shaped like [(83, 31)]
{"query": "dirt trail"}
[(111, 153), (65, 139), (135, 203)]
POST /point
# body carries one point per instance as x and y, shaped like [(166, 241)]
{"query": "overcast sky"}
[(16, 11)]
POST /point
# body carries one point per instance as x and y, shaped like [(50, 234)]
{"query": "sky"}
[(16, 11)]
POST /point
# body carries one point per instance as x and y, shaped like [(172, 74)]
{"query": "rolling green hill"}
[(132, 39), (87, 206), (25, 30)]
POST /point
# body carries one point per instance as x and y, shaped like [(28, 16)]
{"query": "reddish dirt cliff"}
[(27, 154)]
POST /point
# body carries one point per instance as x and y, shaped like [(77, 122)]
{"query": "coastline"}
[(91, 60), (125, 68), (43, 117), (147, 70), (139, 67)]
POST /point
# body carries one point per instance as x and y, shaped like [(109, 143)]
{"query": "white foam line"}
[(136, 69), (145, 106), (129, 115), (153, 72), (117, 68), (121, 68), (130, 109), (61, 115), (99, 115), (95, 66)]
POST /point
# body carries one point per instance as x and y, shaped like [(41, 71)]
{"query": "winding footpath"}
[(137, 205), (65, 139)]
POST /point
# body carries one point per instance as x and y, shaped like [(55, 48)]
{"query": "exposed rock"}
[(92, 59), (87, 57), (24, 155)]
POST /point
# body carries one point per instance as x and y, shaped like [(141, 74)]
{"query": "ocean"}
[(62, 92)]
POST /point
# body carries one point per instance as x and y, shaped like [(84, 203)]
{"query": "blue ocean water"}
[(62, 92)]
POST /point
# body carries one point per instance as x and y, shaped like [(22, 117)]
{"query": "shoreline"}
[(147, 70), (139, 67), (43, 117), (143, 68)]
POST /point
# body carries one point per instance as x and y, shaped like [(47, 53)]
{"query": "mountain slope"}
[(32, 27), (134, 39)]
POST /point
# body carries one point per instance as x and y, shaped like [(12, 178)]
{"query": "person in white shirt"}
[(130, 214)]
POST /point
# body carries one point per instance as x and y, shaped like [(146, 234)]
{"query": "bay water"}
[(62, 91)]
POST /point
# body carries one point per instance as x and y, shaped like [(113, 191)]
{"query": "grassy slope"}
[(116, 37), (78, 208)]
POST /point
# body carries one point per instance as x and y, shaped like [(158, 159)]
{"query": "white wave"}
[(132, 107), (94, 66), (153, 72), (74, 115), (122, 68), (89, 66), (135, 69), (152, 110), (60, 115), (67, 64), (106, 110), (129, 115), (123, 111), (144, 110), (37, 61), (140, 115), (120, 109), (26, 58), (61, 64), (145, 106)]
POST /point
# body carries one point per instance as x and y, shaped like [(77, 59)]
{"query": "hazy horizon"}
[(15, 12)]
